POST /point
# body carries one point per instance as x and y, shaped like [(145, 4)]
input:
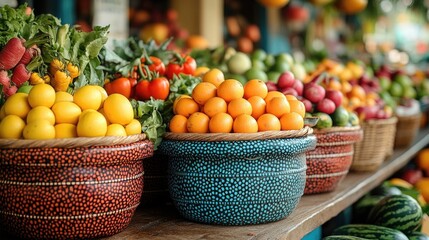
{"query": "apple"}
[(412, 175), (326, 106), (336, 96), (299, 87), (285, 80), (308, 105), (272, 86), (314, 92)]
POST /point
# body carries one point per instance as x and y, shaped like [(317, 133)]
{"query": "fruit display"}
[(217, 105)]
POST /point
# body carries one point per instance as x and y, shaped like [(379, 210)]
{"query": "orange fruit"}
[(239, 106), (177, 99), (221, 123), (203, 91), (298, 107), (186, 106), (334, 85), (258, 106), (423, 186), (200, 71), (230, 89), (400, 183), (422, 159), (215, 105), (245, 123), (178, 124), (198, 122), (290, 97), (255, 87), (358, 92), (214, 76), (268, 122), (273, 94), (291, 121), (278, 106)]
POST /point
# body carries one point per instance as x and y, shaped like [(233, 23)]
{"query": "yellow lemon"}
[(66, 112), (17, 104), (103, 93), (41, 95), (65, 130), (118, 109), (63, 97), (101, 110), (88, 97), (2, 112), (115, 129), (39, 129), (41, 112), (91, 124), (11, 126), (134, 127)]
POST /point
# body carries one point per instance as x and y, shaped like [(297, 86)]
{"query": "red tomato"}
[(189, 65), (158, 88), (154, 64), (173, 69), (120, 85)]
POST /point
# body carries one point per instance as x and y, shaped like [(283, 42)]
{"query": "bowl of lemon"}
[(70, 165)]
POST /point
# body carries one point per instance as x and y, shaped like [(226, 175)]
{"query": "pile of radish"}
[(16, 62)]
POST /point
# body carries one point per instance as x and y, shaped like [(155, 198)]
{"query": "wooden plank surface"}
[(164, 222)]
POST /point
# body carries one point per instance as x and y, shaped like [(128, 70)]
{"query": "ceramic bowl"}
[(237, 182), (69, 193), (330, 161)]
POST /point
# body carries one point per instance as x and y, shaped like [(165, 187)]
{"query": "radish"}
[(4, 78), (299, 87), (11, 53), (29, 54), (9, 90), (21, 73), (285, 80), (336, 96)]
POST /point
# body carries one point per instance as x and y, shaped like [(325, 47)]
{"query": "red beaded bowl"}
[(330, 161), (68, 193)]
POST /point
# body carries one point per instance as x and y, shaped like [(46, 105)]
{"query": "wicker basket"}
[(237, 179), (86, 189), (407, 128), (330, 161), (376, 145)]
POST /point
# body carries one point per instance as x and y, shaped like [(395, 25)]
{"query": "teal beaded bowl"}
[(234, 181)]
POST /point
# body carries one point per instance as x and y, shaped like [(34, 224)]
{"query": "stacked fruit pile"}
[(46, 114), (222, 106)]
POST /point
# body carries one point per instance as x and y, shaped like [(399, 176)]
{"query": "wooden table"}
[(164, 222)]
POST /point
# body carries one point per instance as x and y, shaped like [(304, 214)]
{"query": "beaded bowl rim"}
[(71, 142), (215, 137)]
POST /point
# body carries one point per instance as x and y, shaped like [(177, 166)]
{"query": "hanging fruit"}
[(351, 6), (274, 3)]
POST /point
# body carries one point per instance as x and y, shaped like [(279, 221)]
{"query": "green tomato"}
[(258, 64), (280, 66), (258, 54), (285, 57), (269, 60), (273, 76)]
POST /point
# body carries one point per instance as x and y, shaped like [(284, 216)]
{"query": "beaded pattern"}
[(330, 161), (237, 182), (67, 193)]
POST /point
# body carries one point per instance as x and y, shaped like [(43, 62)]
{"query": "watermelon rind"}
[(370, 231)]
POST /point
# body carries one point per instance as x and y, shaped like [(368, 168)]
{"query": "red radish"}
[(299, 87), (271, 86), (9, 90), (336, 96), (29, 54), (285, 80), (11, 53), (4, 78), (20, 75), (326, 105), (314, 93)]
